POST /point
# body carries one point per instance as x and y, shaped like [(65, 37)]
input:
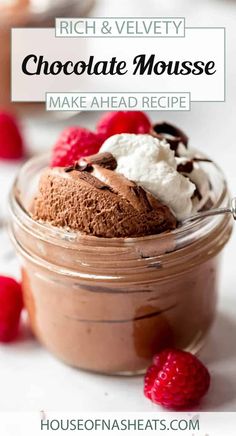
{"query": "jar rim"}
[(57, 234)]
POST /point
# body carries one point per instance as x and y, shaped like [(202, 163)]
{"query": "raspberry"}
[(74, 143), (149, 380), (11, 304), (123, 122), (176, 379), (11, 142)]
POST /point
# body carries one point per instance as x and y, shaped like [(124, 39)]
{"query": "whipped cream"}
[(152, 164)]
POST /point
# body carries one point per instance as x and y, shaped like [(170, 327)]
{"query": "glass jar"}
[(108, 305)]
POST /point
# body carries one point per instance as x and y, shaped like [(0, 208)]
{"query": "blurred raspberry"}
[(11, 304), (11, 142)]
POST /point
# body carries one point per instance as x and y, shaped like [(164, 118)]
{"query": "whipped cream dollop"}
[(151, 163)]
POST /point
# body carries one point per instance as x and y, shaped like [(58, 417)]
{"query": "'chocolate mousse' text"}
[(142, 65)]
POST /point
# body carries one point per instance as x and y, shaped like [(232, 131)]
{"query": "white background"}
[(30, 378)]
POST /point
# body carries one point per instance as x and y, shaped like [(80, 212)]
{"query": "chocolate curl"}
[(201, 159), (172, 134), (142, 196), (104, 160), (186, 167), (79, 167)]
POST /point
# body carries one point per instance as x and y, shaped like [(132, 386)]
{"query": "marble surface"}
[(30, 378)]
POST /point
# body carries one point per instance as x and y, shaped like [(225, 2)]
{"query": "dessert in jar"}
[(110, 276)]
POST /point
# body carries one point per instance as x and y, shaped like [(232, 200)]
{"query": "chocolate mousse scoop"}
[(91, 198)]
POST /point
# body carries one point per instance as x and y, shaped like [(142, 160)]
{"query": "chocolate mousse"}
[(91, 198)]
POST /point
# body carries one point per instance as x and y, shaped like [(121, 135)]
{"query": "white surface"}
[(30, 378)]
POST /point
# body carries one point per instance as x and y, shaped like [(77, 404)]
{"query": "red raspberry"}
[(11, 304), (123, 122), (149, 380), (11, 142), (74, 143), (176, 379)]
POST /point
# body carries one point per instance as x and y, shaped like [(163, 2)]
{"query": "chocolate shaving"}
[(93, 181), (186, 167), (201, 159), (141, 195), (104, 160), (172, 134), (79, 167)]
